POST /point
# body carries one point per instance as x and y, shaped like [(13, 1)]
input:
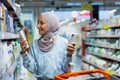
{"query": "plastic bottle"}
[(22, 35)]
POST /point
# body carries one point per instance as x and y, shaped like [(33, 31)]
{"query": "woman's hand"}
[(23, 45), (71, 49)]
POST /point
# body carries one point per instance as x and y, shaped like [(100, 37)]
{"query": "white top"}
[(48, 64)]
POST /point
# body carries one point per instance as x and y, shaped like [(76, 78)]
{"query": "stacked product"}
[(101, 47)]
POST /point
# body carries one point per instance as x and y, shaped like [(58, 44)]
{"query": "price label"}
[(109, 71), (86, 6), (106, 26), (119, 18), (29, 73)]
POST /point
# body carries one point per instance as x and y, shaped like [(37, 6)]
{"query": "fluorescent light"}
[(30, 0), (78, 21), (63, 22), (112, 11), (97, 3), (49, 0), (52, 11), (73, 4), (74, 14), (82, 20), (117, 3)]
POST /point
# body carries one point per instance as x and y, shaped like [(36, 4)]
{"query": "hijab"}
[(47, 41)]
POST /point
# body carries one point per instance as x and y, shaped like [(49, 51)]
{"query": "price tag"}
[(119, 18), (29, 73), (109, 71), (106, 26)]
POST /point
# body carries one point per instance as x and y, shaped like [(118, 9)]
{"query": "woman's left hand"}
[(71, 48)]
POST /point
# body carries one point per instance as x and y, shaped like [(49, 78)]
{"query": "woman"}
[(50, 54)]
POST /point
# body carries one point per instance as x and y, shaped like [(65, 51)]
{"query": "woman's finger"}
[(73, 43), (71, 46)]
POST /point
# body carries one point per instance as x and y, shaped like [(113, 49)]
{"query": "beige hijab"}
[(47, 41)]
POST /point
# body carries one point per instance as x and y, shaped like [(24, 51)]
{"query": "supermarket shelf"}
[(12, 68), (95, 54), (95, 28), (84, 60), (10, 71), (10, 8), (5, 77), (8, 5), (4, 36), (105, 36), (97, 66), (17, 54), (102, 46)]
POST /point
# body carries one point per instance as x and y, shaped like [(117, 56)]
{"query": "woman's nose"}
[(38, 25)]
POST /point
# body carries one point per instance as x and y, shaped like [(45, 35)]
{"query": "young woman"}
[(50, 54)]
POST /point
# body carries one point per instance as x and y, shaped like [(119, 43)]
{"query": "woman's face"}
[(42, 25)]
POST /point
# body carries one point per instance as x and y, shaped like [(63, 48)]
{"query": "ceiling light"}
[(52, 11), (82, 20), (30, 0), (97, 3), (117, 3), (49, 0), (73, 4), (112, 11), (74, 14)]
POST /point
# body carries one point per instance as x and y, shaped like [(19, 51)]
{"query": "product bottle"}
[(72, 38), (22, 35)]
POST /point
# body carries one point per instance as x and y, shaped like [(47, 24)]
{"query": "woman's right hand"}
[(23, 45)]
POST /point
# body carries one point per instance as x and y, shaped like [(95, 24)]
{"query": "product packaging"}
[(22, 35)]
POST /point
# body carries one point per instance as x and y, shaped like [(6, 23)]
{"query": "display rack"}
[(11, 9), (7, 70), (89, 43)]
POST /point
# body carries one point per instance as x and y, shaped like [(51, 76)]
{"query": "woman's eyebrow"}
[(40, 20)]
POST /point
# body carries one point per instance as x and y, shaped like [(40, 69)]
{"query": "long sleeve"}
[(66, 64), (66, 60), (29, 60)]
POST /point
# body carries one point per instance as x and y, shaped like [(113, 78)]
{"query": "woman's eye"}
[(40, 23)]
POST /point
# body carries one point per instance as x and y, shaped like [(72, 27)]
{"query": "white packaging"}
[(22, 35)]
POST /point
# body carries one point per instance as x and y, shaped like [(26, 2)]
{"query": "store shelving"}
[(90, 63), (105, 57), (10, 71), (105, 36), (9, 40), (12, 67), (6, 36), (5, 77), (10, 8), (86, 61), (90, 38), (96, 28), (101, 46)]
